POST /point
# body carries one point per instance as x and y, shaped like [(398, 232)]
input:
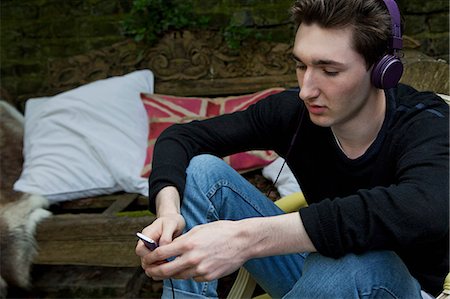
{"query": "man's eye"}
[(331, 73)]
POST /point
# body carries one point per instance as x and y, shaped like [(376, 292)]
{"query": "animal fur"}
[(19, 212)]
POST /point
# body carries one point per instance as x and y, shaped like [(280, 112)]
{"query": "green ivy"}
[(234, 35), (150, 19)]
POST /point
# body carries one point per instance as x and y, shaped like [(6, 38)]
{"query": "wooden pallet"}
[(86, 249), (93, 232)]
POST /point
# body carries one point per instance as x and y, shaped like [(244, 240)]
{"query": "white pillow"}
[(286, 184), (88, 141)]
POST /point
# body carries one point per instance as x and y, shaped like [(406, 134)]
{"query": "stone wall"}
[(36, 32), (427, 22), (33, 32)]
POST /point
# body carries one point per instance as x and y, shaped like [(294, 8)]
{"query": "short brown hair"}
[(369, 19)]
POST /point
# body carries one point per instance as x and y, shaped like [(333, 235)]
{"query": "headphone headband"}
[(394, 12), (386, 73)]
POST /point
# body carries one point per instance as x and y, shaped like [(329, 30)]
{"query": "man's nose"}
[(308, 85)]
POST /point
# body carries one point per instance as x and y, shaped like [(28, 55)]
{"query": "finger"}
[(179, 246), (150, 271), (167, 233), (173, 269), (166, 252), (149, 274), (153, 230), (141, 250), (146, 266), (195, 273), (150, 260)]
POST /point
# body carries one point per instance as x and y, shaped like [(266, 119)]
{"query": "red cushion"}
[(166, 110)]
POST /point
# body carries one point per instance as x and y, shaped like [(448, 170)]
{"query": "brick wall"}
[(34, 32), (428, 23)]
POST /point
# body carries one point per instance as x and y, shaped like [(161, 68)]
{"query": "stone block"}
[(64, 27), (62, 9), (438, 23), (18, 52), (271, 15), (21, 69), (434, 44), (420, 6), (9, 85), (415, 24), (30, 83), (104, 7), (99, 27), (41, 29), (125, 5), (205, 6), (440, 45), (260, 12), (242, 18), (99, 42), (67, 47), (8, 39), (17, 11), (281, 34)]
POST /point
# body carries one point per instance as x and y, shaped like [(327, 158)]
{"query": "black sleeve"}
[(264, 125)]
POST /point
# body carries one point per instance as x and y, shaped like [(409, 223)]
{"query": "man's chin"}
[(320, 121)]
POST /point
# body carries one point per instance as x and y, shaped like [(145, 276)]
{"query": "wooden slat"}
[(50, 281), (98, 202), (89, 239), (119, 205)]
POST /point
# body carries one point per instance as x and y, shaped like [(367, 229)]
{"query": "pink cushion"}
[(166, 110)]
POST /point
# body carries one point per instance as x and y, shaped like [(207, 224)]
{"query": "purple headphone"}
[(388, 70)]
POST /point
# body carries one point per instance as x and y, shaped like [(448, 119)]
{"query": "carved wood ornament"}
[(184, 63)]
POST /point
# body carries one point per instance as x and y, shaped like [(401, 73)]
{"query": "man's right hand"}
[(169, 219), (169, 224)]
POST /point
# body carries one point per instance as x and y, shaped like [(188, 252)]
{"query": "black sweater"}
[(394, 197)]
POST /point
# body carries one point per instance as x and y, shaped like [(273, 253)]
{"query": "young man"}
[(372, 163)]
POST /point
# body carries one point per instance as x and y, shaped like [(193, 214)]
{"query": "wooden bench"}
[(188, 65), (98, 233)]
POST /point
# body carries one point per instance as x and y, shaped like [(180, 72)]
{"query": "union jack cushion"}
[(166, 110)]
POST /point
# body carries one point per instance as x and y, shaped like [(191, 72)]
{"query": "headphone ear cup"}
[(387, 72)]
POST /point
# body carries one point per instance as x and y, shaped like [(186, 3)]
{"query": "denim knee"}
[(204, 176), (370, 275), (205, 164)]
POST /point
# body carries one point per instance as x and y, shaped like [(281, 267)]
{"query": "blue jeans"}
[(215, 191)]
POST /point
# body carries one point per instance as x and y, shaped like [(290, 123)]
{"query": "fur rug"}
[(19, 212)]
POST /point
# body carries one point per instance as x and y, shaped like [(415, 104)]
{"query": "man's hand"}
[(216, 249), (167, 226), (205, 253)]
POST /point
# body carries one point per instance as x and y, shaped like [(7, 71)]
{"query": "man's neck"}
[(355, 137)]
